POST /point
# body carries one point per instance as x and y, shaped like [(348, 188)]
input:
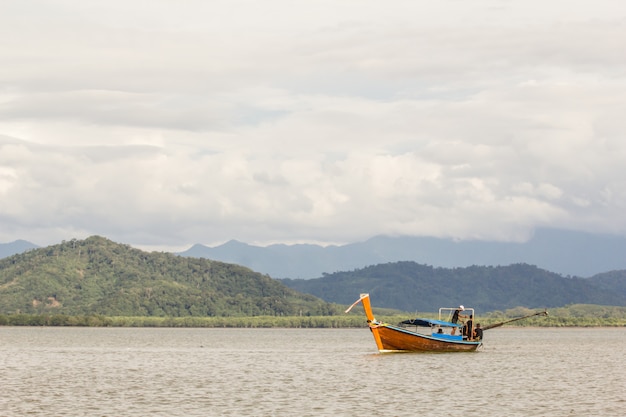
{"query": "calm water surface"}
[(306, 372)]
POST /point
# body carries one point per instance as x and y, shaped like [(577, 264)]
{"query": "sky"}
[(165, 123)]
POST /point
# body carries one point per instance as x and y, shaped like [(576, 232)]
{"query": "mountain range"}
[(408, 286), (564, 252), (98, 276)]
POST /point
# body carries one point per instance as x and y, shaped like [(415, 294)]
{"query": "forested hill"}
[(410, 286), (98, 276)]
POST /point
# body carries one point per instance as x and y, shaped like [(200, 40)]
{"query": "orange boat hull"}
[(394, 339)]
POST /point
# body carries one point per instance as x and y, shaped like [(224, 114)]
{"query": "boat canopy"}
[(429, 323)]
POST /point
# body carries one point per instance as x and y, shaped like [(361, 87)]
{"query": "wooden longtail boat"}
[(442, 335)]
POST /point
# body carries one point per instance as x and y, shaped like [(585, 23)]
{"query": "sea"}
[(116, 372)]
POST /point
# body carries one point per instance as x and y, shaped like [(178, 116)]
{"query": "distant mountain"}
[(299, 261), (98, 276), (19, 246), (563, 252), (410, 286)]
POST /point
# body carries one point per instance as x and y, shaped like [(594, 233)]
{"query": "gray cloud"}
[(175, 124)]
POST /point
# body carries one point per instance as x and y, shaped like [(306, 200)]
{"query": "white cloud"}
[(169, 123)]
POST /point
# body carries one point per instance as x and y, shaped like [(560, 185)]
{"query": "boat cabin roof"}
[(429, 323), (445, 314)]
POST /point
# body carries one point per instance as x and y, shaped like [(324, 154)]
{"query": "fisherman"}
[(478, 332), (468, 331), (456, 316)]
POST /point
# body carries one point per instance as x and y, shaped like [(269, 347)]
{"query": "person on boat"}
[(456, 316), (478, 332), (468, 331)]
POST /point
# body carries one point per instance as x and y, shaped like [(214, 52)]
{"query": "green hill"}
[(98, 276), (409, 286), (614, 281)]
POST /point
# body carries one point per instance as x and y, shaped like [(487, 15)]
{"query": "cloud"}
[(174, 123)]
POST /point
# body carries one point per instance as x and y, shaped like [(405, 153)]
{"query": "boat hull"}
[(395, 339)]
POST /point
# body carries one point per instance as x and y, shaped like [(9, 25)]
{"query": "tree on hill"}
[(98, 276)]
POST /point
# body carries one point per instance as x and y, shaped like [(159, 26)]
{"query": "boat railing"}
[(446, 313)]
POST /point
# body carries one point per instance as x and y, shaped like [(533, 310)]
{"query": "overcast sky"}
[(164, 123)]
